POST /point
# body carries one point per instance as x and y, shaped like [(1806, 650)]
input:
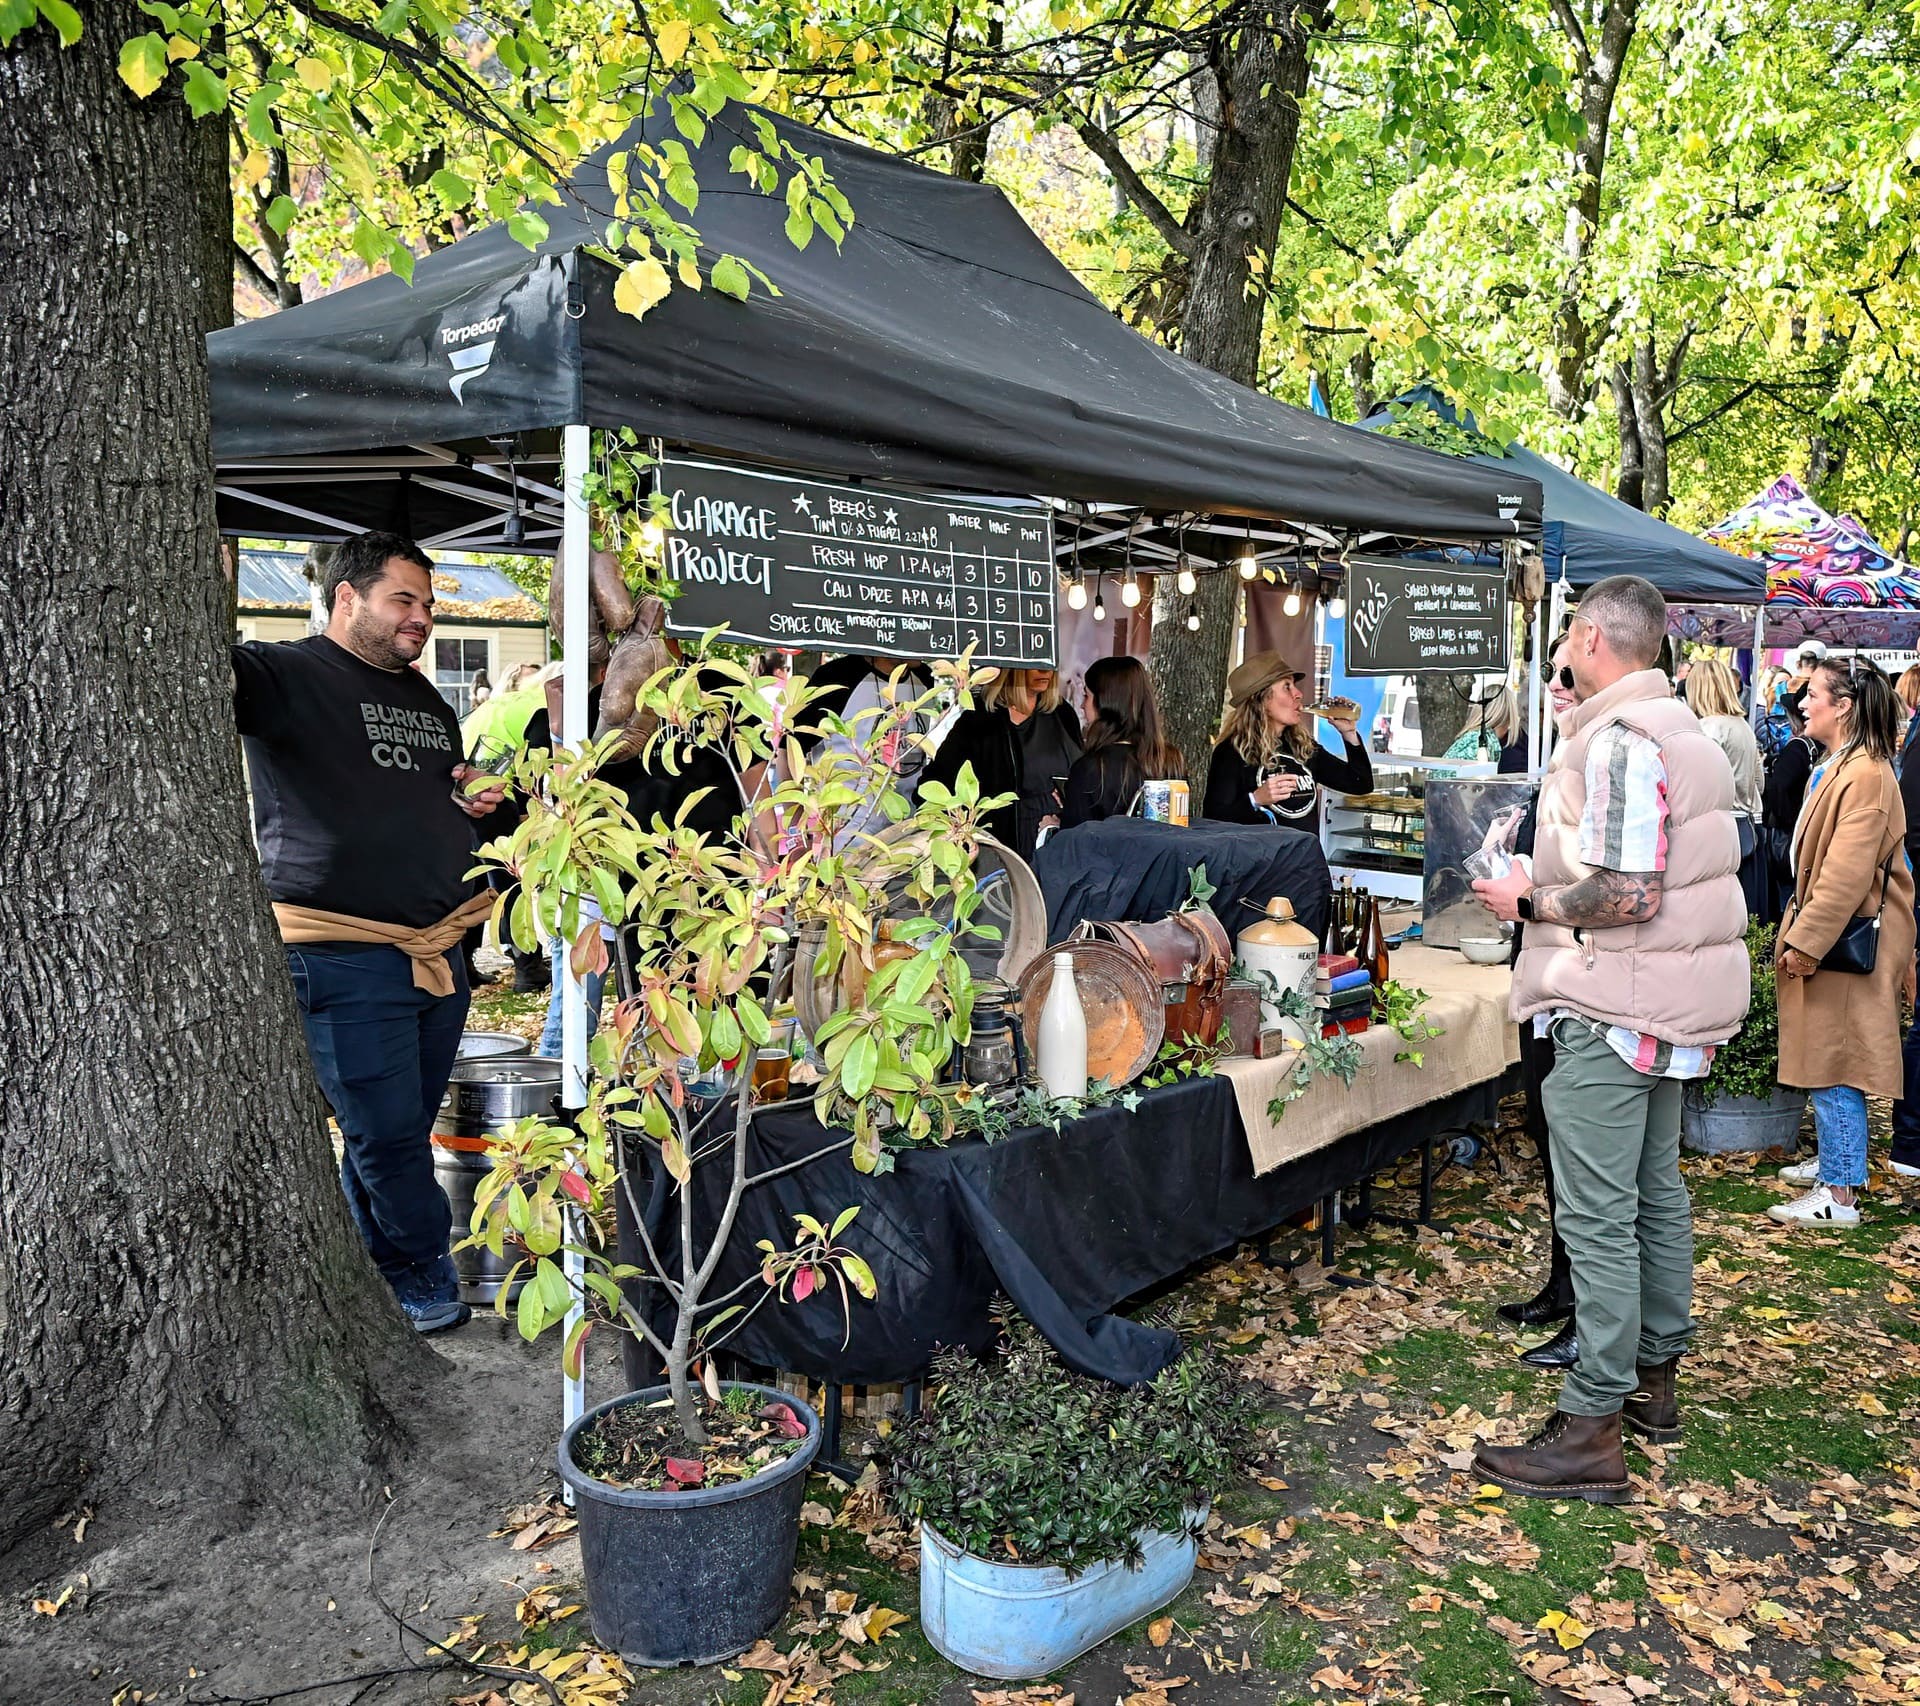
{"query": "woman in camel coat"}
[(1839, 1031)]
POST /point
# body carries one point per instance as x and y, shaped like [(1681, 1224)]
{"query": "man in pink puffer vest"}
[(1635, 962)]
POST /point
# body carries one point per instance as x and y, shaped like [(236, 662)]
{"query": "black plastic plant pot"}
[(691, 1577)]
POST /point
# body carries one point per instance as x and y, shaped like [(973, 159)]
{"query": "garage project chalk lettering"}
[(815, 565)]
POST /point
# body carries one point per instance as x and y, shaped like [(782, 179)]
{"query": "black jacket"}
[(1786, 786), (1103, 783), (987, 739), (1231, 781), (1909, 767)]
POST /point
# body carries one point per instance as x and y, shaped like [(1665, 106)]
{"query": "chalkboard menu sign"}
[(1405, 617), (809, 565)]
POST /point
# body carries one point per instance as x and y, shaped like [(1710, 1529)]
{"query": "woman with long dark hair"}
[(1267, 767), (1126, 745), (1839, 1020)]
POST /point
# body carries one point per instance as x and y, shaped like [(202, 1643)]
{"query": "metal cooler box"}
[(1459, 811)]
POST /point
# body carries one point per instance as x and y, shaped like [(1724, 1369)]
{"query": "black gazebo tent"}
[(943, 345)]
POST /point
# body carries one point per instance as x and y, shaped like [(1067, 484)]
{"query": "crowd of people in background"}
[(1806, 817)]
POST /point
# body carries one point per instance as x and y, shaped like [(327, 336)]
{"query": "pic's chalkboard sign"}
[(1405, 617), (808, 565)]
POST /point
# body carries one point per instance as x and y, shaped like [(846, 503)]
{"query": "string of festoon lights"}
[(1186, 579)]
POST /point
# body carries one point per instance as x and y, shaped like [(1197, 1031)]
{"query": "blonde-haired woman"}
[(1713, 695), (1022, 741), (1267, 767), (1499, 714)]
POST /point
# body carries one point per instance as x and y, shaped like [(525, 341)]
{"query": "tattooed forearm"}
[(1605, 898)]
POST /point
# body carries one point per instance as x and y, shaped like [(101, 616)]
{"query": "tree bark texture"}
[(1643, 386), (1600, 46), (184, 1306), (1629, 485), (1446, 707), (1260, 71)]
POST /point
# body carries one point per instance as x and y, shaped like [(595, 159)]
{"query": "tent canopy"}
[(941, 346), (1595, 535)]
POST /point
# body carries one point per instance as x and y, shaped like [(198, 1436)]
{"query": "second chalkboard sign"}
[(811, 565), (1405, 617)]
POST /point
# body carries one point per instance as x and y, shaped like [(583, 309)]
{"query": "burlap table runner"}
[(1480, 1043)]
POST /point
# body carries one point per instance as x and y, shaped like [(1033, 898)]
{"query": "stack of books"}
[(1343, 991)]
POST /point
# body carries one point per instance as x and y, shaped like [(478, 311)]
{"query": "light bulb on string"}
[(1130, 593), (1184, 580), (1249, 564), (1099, 601), (1193, 618), (1336, 607), (1292, 605), (1076, 594)]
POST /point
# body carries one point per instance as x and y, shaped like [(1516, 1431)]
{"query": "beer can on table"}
[(1165, 802)]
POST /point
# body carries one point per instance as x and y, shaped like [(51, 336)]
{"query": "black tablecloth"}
[(1067, 1224), (1125, 867)]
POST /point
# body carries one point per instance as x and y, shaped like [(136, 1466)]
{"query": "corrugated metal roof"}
[(275, 578)]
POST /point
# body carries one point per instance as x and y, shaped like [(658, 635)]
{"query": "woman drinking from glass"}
[(1267, 766)]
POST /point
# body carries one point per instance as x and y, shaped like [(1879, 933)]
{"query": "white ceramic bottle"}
[(1063, 1034)]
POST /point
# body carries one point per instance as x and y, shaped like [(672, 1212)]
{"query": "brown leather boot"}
[(1571, 1457), (1653, 1412)]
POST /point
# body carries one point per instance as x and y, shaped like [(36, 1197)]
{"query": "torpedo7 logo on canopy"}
[(469, 351)]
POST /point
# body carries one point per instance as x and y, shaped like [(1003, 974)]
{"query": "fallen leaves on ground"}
[(538, 1524)]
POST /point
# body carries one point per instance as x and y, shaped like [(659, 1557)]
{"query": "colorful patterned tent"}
[(1815, 560)]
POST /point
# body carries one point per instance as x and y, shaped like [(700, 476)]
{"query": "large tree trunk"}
[(184, 1304), (1261, 73), (1629, 484), (1446, 707), (1600, 44), (1643, 386)]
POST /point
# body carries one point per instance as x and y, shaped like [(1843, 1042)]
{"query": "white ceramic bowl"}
[(1485, 950)]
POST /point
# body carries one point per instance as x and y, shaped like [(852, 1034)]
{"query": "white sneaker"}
[(1816, 1208), (1904, 1170), (1802, 1172)]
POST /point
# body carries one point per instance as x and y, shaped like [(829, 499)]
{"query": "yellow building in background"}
[(483, 623)]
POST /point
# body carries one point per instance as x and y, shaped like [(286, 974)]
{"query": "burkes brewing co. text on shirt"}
[(392, 729)]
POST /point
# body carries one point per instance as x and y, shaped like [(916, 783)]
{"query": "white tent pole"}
[(1536, 735), (1556, 617), (1756, 712), (574, 545)]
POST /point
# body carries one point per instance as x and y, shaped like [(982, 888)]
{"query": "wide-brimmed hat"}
[(1257, 674)]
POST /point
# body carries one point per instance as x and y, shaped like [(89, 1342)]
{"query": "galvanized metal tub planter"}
[(1017, 1621)]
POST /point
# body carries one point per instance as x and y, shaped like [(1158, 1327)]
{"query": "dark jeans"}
[(383, 1051), (1906, 1111), (1536, 1061)]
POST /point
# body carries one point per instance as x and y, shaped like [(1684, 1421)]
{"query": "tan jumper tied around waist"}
[(426, 947)]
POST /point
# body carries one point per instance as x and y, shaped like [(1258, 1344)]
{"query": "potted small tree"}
[(1740, 1105), (1054, 1509), (689, 1494)]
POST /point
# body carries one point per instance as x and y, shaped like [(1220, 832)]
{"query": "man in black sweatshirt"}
[(364, 821)]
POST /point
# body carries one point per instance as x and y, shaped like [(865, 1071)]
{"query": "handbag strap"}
[(1886, 882)]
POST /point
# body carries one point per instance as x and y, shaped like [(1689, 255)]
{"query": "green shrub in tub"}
[(1056, 1509)]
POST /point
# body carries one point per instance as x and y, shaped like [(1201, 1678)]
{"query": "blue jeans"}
[(383, 1051), (591, 986), (1840, 1118)]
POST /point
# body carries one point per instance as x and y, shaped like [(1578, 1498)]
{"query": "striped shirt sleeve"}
[(1624, 825)]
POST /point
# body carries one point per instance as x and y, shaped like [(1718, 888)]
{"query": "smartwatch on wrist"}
[(1524, 906)]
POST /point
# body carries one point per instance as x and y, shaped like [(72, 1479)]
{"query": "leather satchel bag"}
[(1190, 955), (1857, 951)]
